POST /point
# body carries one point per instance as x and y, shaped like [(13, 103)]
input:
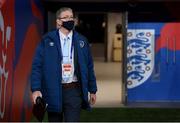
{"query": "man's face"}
[(64, 16)]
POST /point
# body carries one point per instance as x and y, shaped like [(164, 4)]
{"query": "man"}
[(62, 71)]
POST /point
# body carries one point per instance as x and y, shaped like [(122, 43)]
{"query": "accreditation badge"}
[(67, 70)]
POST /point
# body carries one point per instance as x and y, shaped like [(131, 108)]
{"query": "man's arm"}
[(36, 73), (92, 86)]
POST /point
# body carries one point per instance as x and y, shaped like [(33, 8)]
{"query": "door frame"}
[(124, 52)]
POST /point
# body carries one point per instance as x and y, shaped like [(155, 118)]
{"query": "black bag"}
[(39, 109)]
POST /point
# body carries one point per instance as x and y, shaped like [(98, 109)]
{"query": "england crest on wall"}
[(140, 56)]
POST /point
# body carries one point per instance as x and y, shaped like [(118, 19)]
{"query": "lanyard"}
[(71, 51), (72, 44)]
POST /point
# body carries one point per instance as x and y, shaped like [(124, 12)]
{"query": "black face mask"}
[(69, 25)]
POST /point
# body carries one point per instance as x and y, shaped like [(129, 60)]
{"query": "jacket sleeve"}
[(92, 86), (37, 64)]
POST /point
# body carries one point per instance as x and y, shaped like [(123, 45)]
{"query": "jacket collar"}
[(54, 35)]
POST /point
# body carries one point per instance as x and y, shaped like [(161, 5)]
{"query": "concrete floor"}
[(109, 83)]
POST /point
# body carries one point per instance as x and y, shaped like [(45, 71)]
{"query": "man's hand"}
[(36, 94), (92, 99)]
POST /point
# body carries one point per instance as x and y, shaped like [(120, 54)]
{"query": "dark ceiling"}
[(112, 0), (112, 5), (161, 10)]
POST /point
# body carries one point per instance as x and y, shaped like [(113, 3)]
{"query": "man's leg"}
[(55, 117), (72, 100)]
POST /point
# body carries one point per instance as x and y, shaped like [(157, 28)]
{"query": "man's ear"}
[(58, 23)]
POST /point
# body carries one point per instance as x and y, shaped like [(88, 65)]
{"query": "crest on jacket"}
[(81, 44)]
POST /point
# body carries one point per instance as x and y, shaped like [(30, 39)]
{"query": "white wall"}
[(113, 19)]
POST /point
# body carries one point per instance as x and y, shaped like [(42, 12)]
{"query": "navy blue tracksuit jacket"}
[(46, 69)]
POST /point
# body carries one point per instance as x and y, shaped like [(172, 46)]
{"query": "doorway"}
[(93, 27), (100, 28)]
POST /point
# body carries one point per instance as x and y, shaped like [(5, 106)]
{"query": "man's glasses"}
[(66, 18)]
